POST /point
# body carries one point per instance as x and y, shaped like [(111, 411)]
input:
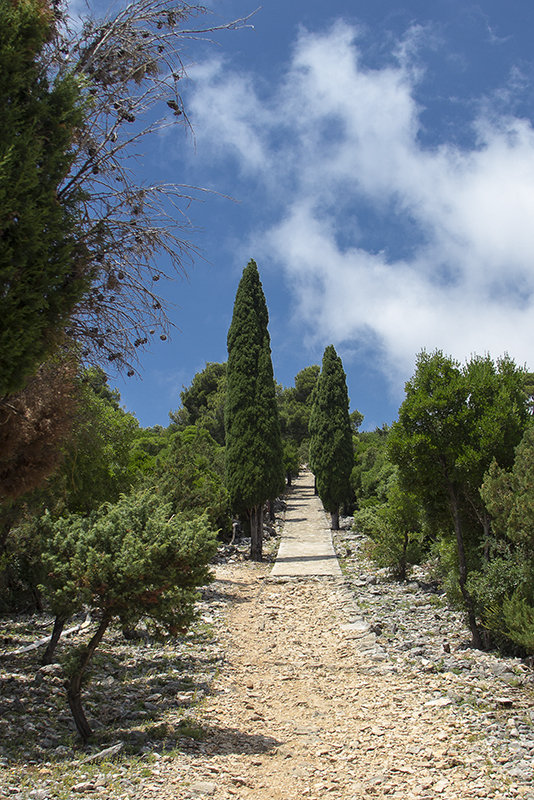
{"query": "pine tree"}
[(331, 449), (254, 467), (41, 261), (129, 560)]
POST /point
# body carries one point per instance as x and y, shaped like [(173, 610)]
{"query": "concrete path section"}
[(306, 547)]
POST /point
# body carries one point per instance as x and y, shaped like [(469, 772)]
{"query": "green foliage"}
[(191, 477), (97, 380), (21, 568), (452, 424), (432, 426), (294, 407), (373, 469), (499, 589), (518, 618), (98, 459), (445, 554), (254, 466), (356, 419), (497, 580), (150, 447), (291, 458), (509, 496), (129, 559), (98, 464), (331, 449), (203, 402), (498, 416), (41, 257), (305, 383), (504, 586), (396, 530)]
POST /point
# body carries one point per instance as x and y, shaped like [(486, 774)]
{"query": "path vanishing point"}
[(306, 547)]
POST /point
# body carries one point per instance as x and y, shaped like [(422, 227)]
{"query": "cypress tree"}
[(254, 467), (331, 449), (41, 260)]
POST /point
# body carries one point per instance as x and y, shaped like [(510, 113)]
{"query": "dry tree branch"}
[(129, 66)]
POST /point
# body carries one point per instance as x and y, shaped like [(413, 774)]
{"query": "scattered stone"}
[(81, 788), (201, 789), (356, 627), (439, 702), (107, 753), (51, 669), (505, 702)]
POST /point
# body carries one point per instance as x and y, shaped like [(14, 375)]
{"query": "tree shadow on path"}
[(222, 741)]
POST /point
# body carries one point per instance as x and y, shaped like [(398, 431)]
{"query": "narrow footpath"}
[(306, 705), (306, 547)]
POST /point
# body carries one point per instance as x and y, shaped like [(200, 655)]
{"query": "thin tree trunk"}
[(335, 520), (37, 599), (485, 521), (288, 479), (462, 570), (256, 533), (59, 624), (402, 564), (486, 525), (74, 685)]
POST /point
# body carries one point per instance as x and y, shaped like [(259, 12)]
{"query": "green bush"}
[(518, 617), (130, 559), (395, 530), (505, 613), (191, 477)]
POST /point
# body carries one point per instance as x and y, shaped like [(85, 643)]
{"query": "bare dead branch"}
[(130, 65)]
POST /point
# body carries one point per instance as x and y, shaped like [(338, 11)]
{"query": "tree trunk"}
[(462, 570), (74, 685), (486, 524), (315, 486), (288, 479), (37, 599), (335, 520), (59, 624), (402, 562), (256, 533)]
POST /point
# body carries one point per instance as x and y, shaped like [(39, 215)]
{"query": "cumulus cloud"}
[(339, 146)]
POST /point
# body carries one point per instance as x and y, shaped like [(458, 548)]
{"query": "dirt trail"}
[(301, 709)]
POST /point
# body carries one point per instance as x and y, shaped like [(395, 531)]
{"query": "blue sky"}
[(380, 161)]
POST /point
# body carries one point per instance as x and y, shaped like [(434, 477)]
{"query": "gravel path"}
[(346, 687), (312, 702)]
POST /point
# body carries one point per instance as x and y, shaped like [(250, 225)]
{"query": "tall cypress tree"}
[(254, 466), (41, 259), (331, 450)]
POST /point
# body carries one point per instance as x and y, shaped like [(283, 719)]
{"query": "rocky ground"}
[(286, 689), (421, 635)]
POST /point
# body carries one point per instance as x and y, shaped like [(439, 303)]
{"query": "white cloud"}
[(229, 115), (337, 137)]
